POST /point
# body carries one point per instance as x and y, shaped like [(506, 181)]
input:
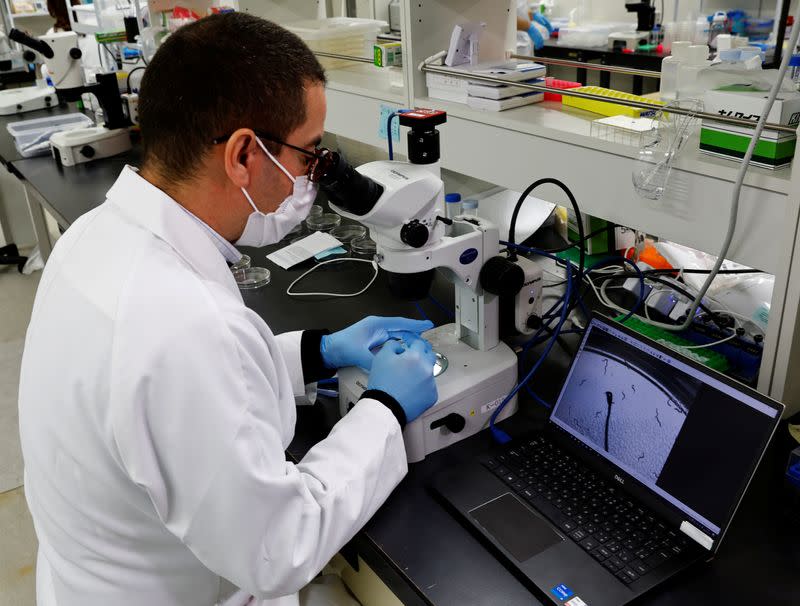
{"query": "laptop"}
[(635, 477)]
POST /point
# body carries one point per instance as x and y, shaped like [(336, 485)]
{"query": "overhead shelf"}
[(514, 147), (35, 14), (552, 120), (369, 81)]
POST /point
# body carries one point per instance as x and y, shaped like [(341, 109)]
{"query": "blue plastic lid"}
[(794, 61), (452, 197)]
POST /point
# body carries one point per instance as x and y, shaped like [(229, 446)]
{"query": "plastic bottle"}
[(690, 85), (794, 64), (452, 205), (469, 207), (717, 26), (669, 70)]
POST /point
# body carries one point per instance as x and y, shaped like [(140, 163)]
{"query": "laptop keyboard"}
[(627, 539)]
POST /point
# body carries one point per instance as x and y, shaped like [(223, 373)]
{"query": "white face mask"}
[(263, 229)]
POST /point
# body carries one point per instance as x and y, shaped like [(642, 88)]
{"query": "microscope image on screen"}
[(628, 404)]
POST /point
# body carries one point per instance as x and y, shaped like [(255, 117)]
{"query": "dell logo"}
[(619, 479)]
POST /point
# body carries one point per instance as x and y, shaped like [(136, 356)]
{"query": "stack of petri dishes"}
[(248, 277)]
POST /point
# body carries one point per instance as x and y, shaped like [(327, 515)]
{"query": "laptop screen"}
[(687, 436)]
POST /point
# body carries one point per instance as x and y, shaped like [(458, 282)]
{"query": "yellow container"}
[(610, 108)]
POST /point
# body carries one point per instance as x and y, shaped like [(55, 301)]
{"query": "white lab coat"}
[(155, 409)]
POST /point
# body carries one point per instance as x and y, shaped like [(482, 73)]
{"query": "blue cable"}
[(389, 129), (447, 312), (535, 251), (499, 435), (421, 311)]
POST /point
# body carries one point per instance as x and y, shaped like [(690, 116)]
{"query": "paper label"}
[(386, 111), (693, 532), (491, 405), (576, 601), (562, 592), (303, 249)]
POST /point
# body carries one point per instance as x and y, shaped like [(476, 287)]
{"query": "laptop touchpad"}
[(520, 531)]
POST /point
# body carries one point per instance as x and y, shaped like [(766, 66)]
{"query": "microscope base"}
[(472, 386), (72, 147), (27, 99)]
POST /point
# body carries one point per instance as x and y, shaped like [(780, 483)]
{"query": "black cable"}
[(675, 287), (512, 255), (130, 73), (649, 272), (587, 237), (113, 57)]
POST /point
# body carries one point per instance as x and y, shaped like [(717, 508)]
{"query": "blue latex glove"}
[(542, 20), (405, 371), (536, 36), (351, 346)]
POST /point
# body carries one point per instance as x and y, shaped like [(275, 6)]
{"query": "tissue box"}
[(774, 149)]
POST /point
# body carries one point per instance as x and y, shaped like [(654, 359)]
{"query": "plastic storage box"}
[(27, 133), (340, 35)]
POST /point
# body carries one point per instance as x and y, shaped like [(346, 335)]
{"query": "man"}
[(155, 408)]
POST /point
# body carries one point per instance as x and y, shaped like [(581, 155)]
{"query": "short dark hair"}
[(214, 76)]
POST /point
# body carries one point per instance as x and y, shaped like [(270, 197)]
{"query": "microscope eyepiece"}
[(346, 187)]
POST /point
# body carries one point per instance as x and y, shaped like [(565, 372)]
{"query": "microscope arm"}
[(445, 253), (107, 92)]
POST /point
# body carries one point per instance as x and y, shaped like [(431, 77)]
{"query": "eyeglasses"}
[(313, 156)]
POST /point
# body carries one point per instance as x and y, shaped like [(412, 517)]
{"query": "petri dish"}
[(347, 233), (251, 278), (363, 248), (440, 365), (323, 222), (242, 263)]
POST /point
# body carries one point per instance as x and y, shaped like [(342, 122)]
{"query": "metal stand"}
[(39, 223)]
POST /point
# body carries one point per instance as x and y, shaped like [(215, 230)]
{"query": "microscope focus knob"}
[(454, 422), (75, 53), (414, 233), (29, 56), (87, 151), (502, 277)]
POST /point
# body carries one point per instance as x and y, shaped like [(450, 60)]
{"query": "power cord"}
[(737, 188), (578, 217), (128, 79), (498, 434), (389, 130), (333, 294)]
